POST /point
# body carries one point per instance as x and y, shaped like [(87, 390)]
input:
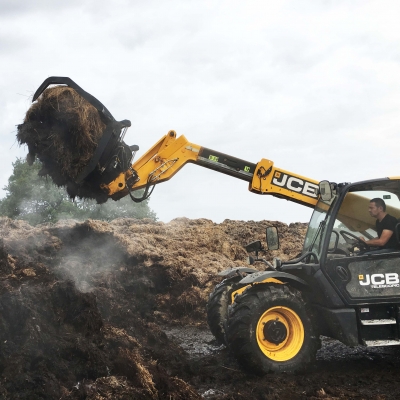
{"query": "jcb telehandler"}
[(272, 320)]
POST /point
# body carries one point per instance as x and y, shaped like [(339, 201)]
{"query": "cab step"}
[(388, 321), (373, 343)]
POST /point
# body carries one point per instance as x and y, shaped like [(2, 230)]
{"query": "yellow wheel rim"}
[(280, 333)]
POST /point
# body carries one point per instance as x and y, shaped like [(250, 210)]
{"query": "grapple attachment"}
[(76, 138)]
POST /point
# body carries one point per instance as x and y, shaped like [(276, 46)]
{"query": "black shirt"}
[(389, 223)]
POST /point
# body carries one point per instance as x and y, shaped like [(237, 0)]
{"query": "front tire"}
[(217, 307), (269, 329)]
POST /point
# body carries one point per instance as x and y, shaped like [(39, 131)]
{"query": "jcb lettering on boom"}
[(295, 184)]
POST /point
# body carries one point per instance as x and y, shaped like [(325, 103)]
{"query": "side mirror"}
[(272, 238), (254, 246), (325, 190)]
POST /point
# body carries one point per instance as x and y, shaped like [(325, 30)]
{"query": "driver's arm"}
[(386, 235)]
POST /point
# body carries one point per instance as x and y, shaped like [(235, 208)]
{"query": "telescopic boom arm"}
[(170, 154)]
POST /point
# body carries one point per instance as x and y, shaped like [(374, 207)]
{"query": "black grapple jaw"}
[(112, 156), (63, 80)]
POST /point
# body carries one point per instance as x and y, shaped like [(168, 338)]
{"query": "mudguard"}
[(228, 273), (271, 276)]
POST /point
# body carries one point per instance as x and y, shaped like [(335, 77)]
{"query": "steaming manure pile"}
[(84, 307), (82, 304)]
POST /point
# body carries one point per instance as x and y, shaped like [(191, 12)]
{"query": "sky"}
[(313, 86)]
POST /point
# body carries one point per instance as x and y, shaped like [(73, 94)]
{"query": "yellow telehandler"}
[(272, 319)]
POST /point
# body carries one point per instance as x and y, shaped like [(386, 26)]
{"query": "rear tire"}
[(269, 329), (217, 307)]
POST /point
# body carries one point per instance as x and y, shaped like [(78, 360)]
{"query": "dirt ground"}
[(96, 310)]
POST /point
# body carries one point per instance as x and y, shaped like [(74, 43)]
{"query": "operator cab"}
[(352, 219), (343, 212), (367, 283), (339, 219)]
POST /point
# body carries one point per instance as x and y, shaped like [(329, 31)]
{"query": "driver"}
[(385, 226)]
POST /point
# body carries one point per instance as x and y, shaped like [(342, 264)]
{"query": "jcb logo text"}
[(295, 184), (379, 280)]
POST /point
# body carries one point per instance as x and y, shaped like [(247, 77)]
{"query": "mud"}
[(96, 310), (340, 372)]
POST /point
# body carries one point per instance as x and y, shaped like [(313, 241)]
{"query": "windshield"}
[(316, 227)]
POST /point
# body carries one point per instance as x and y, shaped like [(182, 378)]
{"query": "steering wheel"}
[(354, 241)]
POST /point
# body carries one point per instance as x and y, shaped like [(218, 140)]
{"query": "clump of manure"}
[(62, 130)]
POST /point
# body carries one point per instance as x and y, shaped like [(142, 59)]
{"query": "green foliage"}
[(37, 200)]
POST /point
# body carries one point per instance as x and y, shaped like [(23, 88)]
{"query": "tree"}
[(37, 200)]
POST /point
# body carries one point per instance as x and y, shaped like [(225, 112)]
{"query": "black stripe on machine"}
[(226, 164)]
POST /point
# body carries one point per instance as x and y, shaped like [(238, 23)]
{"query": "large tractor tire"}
[(217, 307), (269, 329)]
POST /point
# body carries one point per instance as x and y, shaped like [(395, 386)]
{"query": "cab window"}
[(353, 218)]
